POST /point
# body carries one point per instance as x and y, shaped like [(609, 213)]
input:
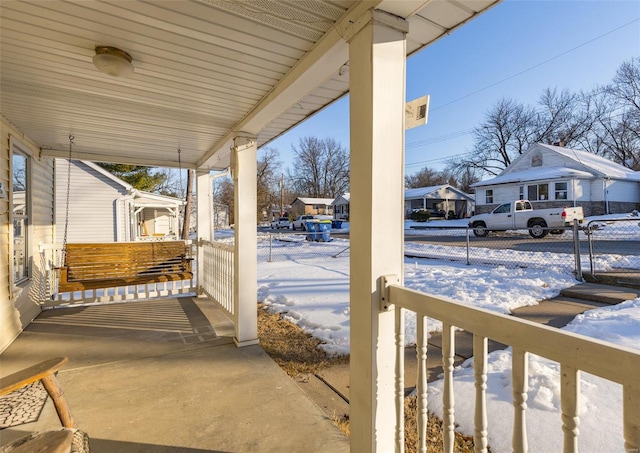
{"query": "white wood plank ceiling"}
[(204, 69)]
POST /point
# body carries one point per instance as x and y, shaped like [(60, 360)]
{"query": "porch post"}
[(377, 102), (245, 265), (204, 205)]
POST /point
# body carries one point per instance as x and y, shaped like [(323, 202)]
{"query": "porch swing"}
[(107, 265)]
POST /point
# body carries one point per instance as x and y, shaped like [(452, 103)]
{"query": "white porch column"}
[(377, 58), (204, 205), (245, 272)]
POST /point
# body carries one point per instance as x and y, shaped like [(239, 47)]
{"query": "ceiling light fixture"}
[(113, 61)]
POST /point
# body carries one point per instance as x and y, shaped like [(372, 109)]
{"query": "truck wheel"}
[(480, 229), (538, 230)]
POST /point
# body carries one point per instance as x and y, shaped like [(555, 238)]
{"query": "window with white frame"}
[(21, 211), (521, 193), (538, 192), (489, 196), (561, 191)]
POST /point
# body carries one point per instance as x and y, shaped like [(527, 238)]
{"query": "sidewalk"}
[(330, 387)]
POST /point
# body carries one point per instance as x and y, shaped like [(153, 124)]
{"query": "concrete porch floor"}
[(165, 376)]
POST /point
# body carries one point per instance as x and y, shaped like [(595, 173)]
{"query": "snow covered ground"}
[(314, 294)]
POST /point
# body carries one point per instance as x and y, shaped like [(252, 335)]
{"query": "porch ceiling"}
[(204, 69)]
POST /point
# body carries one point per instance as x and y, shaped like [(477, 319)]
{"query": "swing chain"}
[(66, 216), (180, 170)]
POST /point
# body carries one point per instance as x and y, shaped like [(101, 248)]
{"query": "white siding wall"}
[(623, 191), (19, 304), (92, 204)]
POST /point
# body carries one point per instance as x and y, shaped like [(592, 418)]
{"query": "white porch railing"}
[(573, 352), (51, 257), (217, 279)]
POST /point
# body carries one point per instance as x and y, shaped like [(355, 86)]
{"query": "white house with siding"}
[(553, 176), (104, 208), (443, 197), (341, 206)]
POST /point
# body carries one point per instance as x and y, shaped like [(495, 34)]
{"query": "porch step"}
[(605, 294), (629, 278)]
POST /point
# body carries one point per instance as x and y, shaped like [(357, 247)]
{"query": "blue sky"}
[(515, 50)]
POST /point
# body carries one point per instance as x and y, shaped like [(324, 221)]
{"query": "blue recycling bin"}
[(337, 224), (324, 231), (313, 228)]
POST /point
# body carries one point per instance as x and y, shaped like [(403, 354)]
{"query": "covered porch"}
[(202, 85), (166, 376)]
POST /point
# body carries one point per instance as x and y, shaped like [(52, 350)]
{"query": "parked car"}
[(300, 222), (520, 215), (281, 222)]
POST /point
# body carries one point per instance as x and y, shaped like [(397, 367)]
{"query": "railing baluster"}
[(399, 372), (631, 411), (519, 377), (421, 385), (480, 375), (448, 351), (569, 402)]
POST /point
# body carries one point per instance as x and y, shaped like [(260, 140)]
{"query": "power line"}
[(536, 65)]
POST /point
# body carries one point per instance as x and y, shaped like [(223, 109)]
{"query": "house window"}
[(538, 192), (489, 196), (21, 211), (561, 190), (521, 196)]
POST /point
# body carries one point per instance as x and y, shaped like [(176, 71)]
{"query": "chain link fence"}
[(602, 245), (296, 246), (614, 248)]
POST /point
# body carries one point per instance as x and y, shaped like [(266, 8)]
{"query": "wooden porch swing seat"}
[(109, 265)]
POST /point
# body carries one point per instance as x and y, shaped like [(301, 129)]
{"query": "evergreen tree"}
[(140, 177)]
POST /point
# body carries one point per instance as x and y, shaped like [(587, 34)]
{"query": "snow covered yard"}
[(314, 294)]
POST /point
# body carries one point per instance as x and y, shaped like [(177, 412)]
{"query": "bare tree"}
[(321, 168), (427, 178), (269, 180), (508, 130), (620, 123), (562, 118)]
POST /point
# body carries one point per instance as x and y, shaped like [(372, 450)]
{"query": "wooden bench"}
[(108, 265), (69, 438)]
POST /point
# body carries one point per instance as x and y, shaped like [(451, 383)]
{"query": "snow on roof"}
[(345, 196), (420, 192), (602, 166), (326, 201), (534, 174)]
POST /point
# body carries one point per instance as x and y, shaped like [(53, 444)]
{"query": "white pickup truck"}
[(520, 215)]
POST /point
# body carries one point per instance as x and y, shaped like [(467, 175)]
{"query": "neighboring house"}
[(552, 176), (444, 197), (104, 208), (313, 206), (341, 206)]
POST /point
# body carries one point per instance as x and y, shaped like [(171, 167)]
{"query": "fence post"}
[(468, 246), (270, 240), (591, 257), (576, 250)]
